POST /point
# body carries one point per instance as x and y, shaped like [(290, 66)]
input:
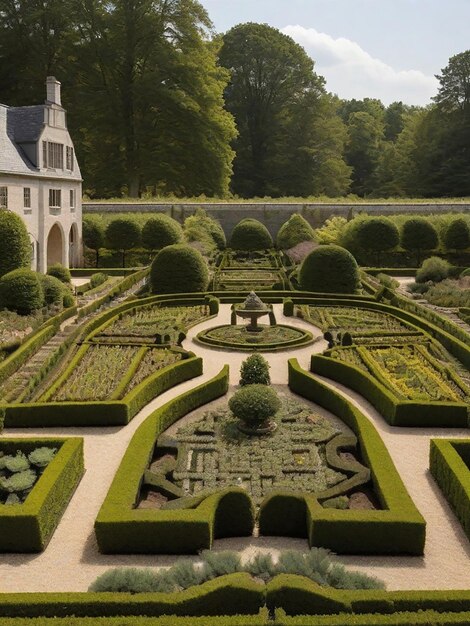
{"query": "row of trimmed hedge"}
[(449, 464), (395, 411), (395, 529), (120, 528), (108, 413), (84, 272), (261, 619), (28, 527), (285, 596), (123, 285), (452, 336), (33, 343)]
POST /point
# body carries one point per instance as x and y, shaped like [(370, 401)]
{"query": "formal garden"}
[(244, 428)]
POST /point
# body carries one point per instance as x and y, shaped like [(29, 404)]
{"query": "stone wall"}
[(273, 215)]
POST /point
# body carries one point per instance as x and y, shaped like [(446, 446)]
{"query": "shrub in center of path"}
[(179, 269), (254, 405), (329, 269), (255, 371), (250, 234)]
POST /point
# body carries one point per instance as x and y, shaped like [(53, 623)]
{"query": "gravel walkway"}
[(71, 561)]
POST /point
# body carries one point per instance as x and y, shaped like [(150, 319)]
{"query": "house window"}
[(72, 199), (69, 158), (27, 197), (53, 155), (55, 199), (4, 197)]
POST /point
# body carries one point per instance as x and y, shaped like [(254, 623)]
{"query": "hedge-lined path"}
[(17, 383), (71, 561)]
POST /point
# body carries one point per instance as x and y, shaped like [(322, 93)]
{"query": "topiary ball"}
[(296, 230), (254, 404), (178, 269), (329, 269), (160, 231), (53, 289), (21, 291), (15, 248), (250, 234), (59, 271)]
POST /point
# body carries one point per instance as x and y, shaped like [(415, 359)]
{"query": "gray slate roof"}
[(23, 125), (12, 158)]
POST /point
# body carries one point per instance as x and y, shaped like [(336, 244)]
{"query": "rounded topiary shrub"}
[(255, 371), (15, 248), (160, 231), (435, 269), (250, 234), (417, 235), (296, 230), (254, 404), (21, 291), (329, 269), (377, 234), (53, 289), (457, 235), (179, 269), (59, 271)]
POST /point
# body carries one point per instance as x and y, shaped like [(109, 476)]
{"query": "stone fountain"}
[(253, 308)]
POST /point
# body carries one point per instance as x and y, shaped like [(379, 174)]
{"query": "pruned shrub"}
[(98, 279), (200, 227), (329, 269), (250, 234), (59, 271), (296, 230), (418, 235), (15, 248), (457, 235), (21, 291), (255, 371), (53, 289), (161, 230), (179, 269), (376, 234), (434, 269), (123, 234), (93, 235), (254, 404)]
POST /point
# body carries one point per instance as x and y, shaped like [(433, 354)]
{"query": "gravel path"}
[(71, 561)]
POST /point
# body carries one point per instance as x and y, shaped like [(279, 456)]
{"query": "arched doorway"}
[(73, 246), (55, 246)]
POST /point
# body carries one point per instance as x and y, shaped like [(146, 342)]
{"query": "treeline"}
[(160, 104)]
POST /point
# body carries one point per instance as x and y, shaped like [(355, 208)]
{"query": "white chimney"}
[(53, 90)]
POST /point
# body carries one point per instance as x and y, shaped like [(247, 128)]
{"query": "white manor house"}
[(40, 178)]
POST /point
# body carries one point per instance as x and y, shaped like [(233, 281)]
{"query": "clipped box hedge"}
[(261, 619), (28, 527), (120, 528), (396, 529), (227, 595), (395, 411), (448, 462), (109, 413)]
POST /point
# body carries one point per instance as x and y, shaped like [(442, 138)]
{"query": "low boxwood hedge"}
[(261, 619), (395, 411), (448, 462), (109, 413), (120, 528), (227, 595), (28, 527), (395, 529)]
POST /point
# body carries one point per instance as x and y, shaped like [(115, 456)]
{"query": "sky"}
[(387, 49)]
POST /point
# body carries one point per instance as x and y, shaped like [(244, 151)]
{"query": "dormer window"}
[(53, 155)]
